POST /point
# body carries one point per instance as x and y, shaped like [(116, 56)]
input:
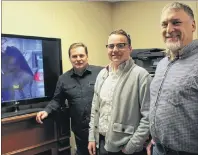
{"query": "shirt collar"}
[(186, 50), (87, 70), (120, 67)]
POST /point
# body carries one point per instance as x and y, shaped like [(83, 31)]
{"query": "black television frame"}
[(54, 74)]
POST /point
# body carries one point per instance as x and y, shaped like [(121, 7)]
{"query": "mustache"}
[(116, 54), (77, 63), (172, 35)]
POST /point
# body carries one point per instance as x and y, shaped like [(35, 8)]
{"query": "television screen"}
[(30, 68), (22, 69)]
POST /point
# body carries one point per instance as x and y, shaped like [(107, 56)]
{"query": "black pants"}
[(82, 147), (102, 151)]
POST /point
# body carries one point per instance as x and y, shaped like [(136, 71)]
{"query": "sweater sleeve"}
[(93, 108), (141, 134)]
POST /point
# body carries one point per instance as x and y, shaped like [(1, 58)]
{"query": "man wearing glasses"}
[(119, 118)]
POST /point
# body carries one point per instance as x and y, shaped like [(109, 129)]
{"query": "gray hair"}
[(179, 6)]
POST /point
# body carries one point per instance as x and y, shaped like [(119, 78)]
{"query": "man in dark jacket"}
[(77, 86)]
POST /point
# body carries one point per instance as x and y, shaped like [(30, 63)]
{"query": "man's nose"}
[(78, 58), (170, 28), (115, 48)]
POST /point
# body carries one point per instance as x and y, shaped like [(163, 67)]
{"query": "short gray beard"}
[(174, 47)]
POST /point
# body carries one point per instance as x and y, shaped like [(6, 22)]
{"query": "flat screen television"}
[(30, 67)]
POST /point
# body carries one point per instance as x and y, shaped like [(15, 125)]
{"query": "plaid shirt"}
[(174, 101)]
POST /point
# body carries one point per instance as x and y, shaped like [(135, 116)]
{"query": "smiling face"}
[(118, 49), (78, 58), (177, 28)]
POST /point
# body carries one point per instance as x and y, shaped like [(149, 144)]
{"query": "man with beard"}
[(174, 90), (77, 86)]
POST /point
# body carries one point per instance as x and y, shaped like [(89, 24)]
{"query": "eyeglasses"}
[(119, 45)]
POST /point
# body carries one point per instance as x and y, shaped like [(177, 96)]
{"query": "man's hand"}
[(92, 148), (148, 148), (123, 151), (40, 116)]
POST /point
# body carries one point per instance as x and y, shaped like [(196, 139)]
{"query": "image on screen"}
[(22, 69)]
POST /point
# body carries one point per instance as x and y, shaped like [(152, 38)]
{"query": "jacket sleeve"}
[(93, 109), (55, 103), (141, 134), (91, 123)]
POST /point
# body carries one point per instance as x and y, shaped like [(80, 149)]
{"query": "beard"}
[(174, 46)]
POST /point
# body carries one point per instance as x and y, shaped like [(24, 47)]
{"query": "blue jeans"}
[(158, 149)]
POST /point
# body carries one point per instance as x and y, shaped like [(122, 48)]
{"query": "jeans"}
[(159, 149)]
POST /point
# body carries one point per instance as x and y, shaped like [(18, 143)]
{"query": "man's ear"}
[(70, 59), (131, 49), (194, 26)]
